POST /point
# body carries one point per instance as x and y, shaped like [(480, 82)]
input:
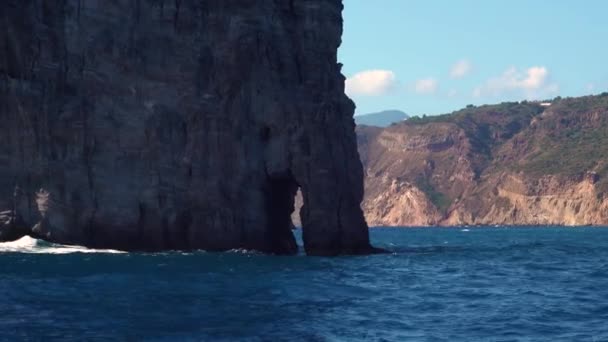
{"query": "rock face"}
[(507, 164), (153, 124)]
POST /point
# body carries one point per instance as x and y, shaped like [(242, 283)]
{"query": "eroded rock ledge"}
[(156, 124)]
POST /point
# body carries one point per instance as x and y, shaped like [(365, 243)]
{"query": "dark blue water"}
[(486, 284)]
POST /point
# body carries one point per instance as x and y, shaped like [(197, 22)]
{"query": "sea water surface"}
[(439, 284)]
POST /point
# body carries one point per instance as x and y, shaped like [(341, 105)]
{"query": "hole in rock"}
[(280, 196), (297, 205)]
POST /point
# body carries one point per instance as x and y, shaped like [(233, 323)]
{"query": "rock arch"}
[(152, 131)]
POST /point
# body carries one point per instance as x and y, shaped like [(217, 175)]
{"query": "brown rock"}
[(507, 164)]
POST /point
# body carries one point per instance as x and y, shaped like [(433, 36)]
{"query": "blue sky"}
[(432, 57)]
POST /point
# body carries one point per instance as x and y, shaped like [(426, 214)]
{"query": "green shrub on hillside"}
[(439, 200)]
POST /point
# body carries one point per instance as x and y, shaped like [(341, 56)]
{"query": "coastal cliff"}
[(508, 164), (154, 125)]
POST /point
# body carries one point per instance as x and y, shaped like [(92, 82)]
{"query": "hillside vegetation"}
[(510, 163)]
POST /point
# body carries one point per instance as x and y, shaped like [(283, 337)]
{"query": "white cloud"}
[(590, 87), (452, 93), (426, 86), (370, 83), (460, 69), (534, 79), (532, 83)]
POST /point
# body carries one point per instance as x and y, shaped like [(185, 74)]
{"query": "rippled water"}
[(489, 284)]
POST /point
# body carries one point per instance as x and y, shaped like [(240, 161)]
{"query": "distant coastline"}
[(492, 226), (529, 163)]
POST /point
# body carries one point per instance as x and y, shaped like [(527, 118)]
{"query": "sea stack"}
[(159, 125)]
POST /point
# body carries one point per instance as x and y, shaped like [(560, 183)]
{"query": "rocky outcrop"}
[(514, 199), (152, 125), (399, 204), (507, 164)]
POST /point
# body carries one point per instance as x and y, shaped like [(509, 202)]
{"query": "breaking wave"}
[(34, 246)]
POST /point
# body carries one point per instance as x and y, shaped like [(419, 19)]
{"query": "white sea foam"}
[(30, 245)]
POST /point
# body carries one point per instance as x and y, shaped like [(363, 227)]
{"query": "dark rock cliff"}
[(182, 124)]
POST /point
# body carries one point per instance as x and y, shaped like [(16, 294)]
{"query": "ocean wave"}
[(30, 245)]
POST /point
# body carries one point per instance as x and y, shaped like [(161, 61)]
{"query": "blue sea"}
[(437, 284)]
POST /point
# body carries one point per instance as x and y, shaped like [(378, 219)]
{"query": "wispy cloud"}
[(531, 83), (426, 86), (370, 83), (460, 69)]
